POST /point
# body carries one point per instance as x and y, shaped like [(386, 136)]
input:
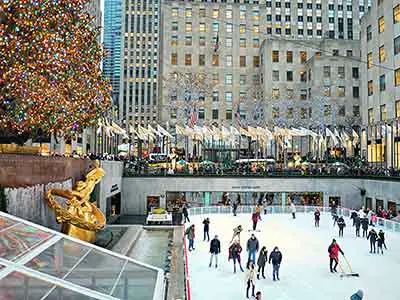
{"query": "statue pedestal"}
[(79, 233)]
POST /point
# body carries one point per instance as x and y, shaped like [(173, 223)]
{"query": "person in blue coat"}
[(357, 296)]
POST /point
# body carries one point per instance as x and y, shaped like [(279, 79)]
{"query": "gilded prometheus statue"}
[(79, 218)]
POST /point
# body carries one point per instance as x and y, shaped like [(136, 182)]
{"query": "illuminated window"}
[(255, 15), (242, 60), (215, 79), (215, 13), (327, 91), (369, 60), (256, 61), (243, 79), (229, 42), (341, 91), (397, 77), (256, 43), (215, 27), (242, 28), (229, 61), (202, 27), (202, 41), (228, 115), (215, 60), (174, 12), (289, 113), (382, 57), (188, 27), (275, 112), (397, 107), (188, 59), (188, 41), (229, 28), (188, 12), (275, 56), (383, 112), (303, 56), (174, 26), (174, 58), (174, 40), (229, 13), (371, 116), (289, 56), (202, 60), (275, 93), (396, 14), (256, 28), (381, 24), (370, 87), (242, 43), (202, 12), (242, 12)]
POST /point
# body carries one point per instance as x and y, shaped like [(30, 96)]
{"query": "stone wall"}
[(111, 184)]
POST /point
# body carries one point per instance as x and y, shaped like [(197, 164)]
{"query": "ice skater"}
[(333, 251), (380, 244), (372, 237), (353, 216), (206, 229), (235, 207), (252, 248), (357, 296), (236, 233), (215, 249), (341, 224), (258, 296), (190, 235), (381, 234), (357, 223), (261, 261), (364, 225), (293, 210), (276, 258), (255, 218), (234, 253), (251, 278), (317, 217), (185, 214)]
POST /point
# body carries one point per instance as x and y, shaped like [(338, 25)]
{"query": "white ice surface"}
[(304, 273)]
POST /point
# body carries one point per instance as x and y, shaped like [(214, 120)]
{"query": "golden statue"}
[(79, 218)]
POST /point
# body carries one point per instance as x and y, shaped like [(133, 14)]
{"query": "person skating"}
[(258, 296), (261, 261), (335, 218), (333, 251), (252, 248), (190, 235), (357, 296), (235, 206), (381, 234), (258, 211), (293, 210), (236, 233), (357, 223), (250, 279), (364, 225), (353, 216), (317, 217), (341, 224), (380, 244), (185, 214), (206, 229), (234, 253), (255, 218), (215, 249), (276, 258), (372, 237)]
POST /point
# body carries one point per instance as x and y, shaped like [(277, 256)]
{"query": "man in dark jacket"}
[(215, 249), (252, 248), (372, 237), (206, 229), (235, 206), (185, 214), (341, 224), (381, 235), (357, 223), (364, 225), (276, 258)]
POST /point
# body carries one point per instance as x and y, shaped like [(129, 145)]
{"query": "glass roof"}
[(38, 263)]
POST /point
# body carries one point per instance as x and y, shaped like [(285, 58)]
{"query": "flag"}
[(333, 137), (234, 131), (163, 131), (193, 118), (237, 115), (356, 138), (216, 45)]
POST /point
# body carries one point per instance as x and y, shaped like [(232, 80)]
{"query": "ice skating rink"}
[(304, 272)]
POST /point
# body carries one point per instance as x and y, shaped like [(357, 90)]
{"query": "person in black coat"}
[(353, 217), (364, 225), (341, 224), (317, 217), (276, 258), (381, 235), (357, 223), (215, 249), (206, 229), (185, 214), (372, 237), (235, 206), (261, 261)]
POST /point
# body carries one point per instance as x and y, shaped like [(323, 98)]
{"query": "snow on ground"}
[(304, 273)]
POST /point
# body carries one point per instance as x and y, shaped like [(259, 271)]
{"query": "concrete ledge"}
[(161, 227), (128, 240)]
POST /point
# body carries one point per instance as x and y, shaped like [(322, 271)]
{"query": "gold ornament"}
[(79, 218)]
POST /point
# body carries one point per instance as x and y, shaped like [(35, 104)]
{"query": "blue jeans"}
[(191, 244), (275, 271), (252, 255)]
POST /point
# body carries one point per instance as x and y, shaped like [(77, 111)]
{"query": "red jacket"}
[(255, 217), (334, 251)]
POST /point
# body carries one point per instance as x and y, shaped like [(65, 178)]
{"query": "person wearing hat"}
[(357, 296), (333, 251), (215, 249)]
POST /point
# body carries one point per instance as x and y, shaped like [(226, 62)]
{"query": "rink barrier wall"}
[(187, 280), (248, 209)]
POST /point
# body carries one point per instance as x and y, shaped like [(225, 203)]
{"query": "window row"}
[(382, 82), (215, 60), (216, 114), (228, 42), (229, 27)]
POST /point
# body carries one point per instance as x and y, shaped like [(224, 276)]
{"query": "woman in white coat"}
[(250, 279)]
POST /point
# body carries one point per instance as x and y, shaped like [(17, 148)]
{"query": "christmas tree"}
[(50, 76)]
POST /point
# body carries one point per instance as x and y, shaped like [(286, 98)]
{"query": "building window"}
[(172, 113), (327, 91), (356, 92), (327, 72), (174, 59), (396, 14), (215, 13), (289, 113), (201, 113), (188, 27), (174, 40), (349, 53), (397, 107), (369, 60), (242, 28), (256, 61), (228, 13), (174, 11), (341, 73), (289, 57), (335, 52), (369, 32), (188, 41), (341, 91), (215, 79), (188, 12), (382, 83), (229, 60), (242, 12), (215, 27), (229, 28), (382, 57), (174, 26), (215, 96), (256, 28), (275, 56), (275, 75), (202, 60), (275, 112), (303, 94), (242, 61), (202, 27), (242, 43), (370, 87), (396, 43), (215, 60), (383, 112), (303, 57), (228, 79), (397, 77), (188, 59), (327, 110), (370, 116), (229, 42), (228, 98), (202, 12), (355, 73), (342, 110), (275, 93), (256, 43), (228, 114), (381, 24), (356, 111), (289, 75), (215, 114)]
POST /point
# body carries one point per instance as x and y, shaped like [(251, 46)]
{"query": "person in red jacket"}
[(334, 250), (255, 217)]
